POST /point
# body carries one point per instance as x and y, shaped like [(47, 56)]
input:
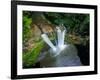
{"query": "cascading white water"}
[(59, 34), (47, 40), (60, 54), (60, 44), (61, 37)]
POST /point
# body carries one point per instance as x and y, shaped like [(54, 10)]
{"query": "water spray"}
[(56, 49)]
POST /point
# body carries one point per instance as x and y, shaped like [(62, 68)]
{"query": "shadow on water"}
[(83, 53)]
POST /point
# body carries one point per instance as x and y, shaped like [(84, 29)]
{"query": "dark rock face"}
[(67, 57)]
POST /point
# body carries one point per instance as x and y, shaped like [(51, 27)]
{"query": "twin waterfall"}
[(61, 54), (56, 49)]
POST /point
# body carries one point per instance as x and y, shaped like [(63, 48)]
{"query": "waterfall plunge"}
[(61, 54), (61, 37), (60, 45)]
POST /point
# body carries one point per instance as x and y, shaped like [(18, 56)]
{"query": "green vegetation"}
[(74, 23), (77, 26), (26, 27), (29, 58)]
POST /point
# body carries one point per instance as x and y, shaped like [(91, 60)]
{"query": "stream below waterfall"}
[(67, 57)]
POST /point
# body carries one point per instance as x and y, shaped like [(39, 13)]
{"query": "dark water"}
[(83, 53)]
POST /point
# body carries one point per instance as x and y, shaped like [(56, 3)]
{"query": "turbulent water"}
[(59, 55), (67, 57)]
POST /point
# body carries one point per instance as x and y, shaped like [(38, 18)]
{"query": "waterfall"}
[(59, 34), (56, 49), (47, 40), (61, 54)]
